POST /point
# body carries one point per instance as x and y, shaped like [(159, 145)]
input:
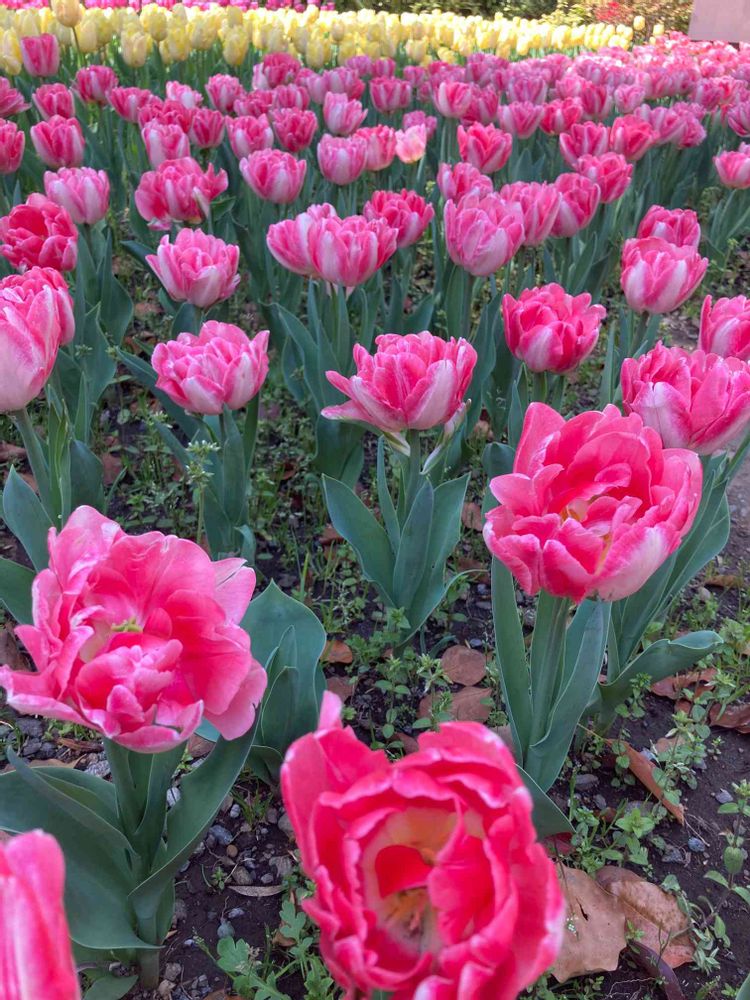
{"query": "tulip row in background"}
[(531, 193)]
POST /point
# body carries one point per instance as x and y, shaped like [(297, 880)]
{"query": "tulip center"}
[(129, 625)]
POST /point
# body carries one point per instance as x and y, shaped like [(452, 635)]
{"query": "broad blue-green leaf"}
[(268, 617), (510, 653), (358, 526), (413, 550), (15, 590), (110, 987), (26, 518), (548, 819)]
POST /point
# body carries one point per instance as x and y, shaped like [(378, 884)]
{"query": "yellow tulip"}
[(235, 47), (27, 23), (87, 36), (202, 34), (135, 47), (639, 22), (154, 21), (658, 30), (10, 53)]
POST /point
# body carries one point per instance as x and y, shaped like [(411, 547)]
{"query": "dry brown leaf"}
[(643, 769), (198, 746), (477, 568), (10, 655), (462, 665), (409, 744), (662, 926), (336, 651), (594, 933), (726, 581), (668, 743), (465, 705), (471, 516), (111, 467), (329, 535), (341, 686), (256, 891), (735, 717), (672, 687), (9, 451)]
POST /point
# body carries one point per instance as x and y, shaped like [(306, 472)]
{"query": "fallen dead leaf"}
[(477, 568), (111, 467), (594, 933), (9, 451), (465, 705), (336, 651), (667, 743), (653, 913), (726, 581), (198, 746), (256, 891), (329, 535), (409, 744), (471, 516), (672, 687), (462, 665), (83, 746), (735, 717), (654, 965), (280, 941), (10, 655), (341, 686), (643, 769)]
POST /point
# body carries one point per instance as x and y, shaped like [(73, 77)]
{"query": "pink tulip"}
[(559, 116), (253, 104), (485, 147), (521, 118), (223, 90), (82, 191), (549, 330), (127, 102), (389, 94), (594, 505), (404, 831), (458, 180), (341, 115), (539, 205), (294, 128), (164, 142), (483, 107), (35, 316), (738, 119), (127, 633), (12, 145), (290, 96), (527, 86), (694, 400), (274, 175), (347, 252), (405, 211), (412, 118), (166, 113), (220, 367), (248, 134), (288, 240), (413, 382), (611, 172), (178, 191), (679, 226), (657, 276), (579, 200), (451, 98), (39, 233), (632, 137), (40, 55), (341, 161), (196, 268), (183, 94), (36, 959), (586, 138), (628, 97), (275, 70), (482, 234), (733, 169), (381, 146), (58, 142), (54, 99), (725, 327), (11, 100), (206, 128), (93, 84), (597, 101), (411, 143)]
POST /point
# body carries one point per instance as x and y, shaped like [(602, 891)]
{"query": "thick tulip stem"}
[(547, 659), (412, 470), (36, 457)]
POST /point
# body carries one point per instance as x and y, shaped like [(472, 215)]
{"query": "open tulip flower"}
[(725, 327)]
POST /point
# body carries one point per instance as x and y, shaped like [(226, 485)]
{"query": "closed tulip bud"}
[(54, 99), (196, 268), (658, 277), (58, 142), (485, 147), (579, 200), (67, 12), (135, 47), (342, 116), (520, 118), (411, 143), (725, 327), (405, 211), (294, 128), (611, 172), (10, 53), (585, 138), (39, 233), (273, 175), (82, 191), (288, 240), (87, 36), (381, 146), (347, 252), (341, 160), (12, 144), (733, 169), (164, 142), (538, 204), (207, 128), (41, 55), (178, 191)]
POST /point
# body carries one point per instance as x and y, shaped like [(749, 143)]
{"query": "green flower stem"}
[(412, 470), (547, 659), (37, 460)]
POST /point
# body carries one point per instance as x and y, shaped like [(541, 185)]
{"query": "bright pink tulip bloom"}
[(677, 225), (178, 191), (733, 168), (166, 113), (12, 145), (183, 94), (341, 160), (629, 96), (220, 367), (420, 118), (248, 134), (36, 959), (390, 93), (725, 327), (597, 101), (549, 330), (347, 252), (94, 83), (381, 145), (196, 268), (521, 118), (254, 104), (482, 234), (40, 55), (82, 191), (11, 100), (288, 240), (39, 233), (223, 90), (33, 309), (485, 147), (164, 142), (206, 128), (579, 200), (559, 116), (275, 70), (451, 98), (129, 633), (274, 175), (657, 276), (594, 505), (527, 86), (412, 382), (394, 917), (483, 107), (585, 138), (405, 211), (127, 102), (693, 399), (58, 142), (611, 172), (341, 115), (738, 119), (54, 99), (294, 128), (411, 143), (539, 205), (458, 180), (632, 137), (290, 96)]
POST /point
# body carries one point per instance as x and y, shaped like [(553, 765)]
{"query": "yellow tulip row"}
[(319, 37)]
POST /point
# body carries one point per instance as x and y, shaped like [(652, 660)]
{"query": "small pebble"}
[(235, 913), (32, 747), (241, 876), (100, 768), (180, 910), (476, 643), (282, 865), (225, 930), (673, 856), (704, 593), (172, 971), (285, 825), (226, 805), (200, 849), (272, 815), (696, 845), (723, 797), (210, 841), (173, 796), (30, 727), (600, 802), (165, 988), (188, 943), (266, 879), (235, 812), (232, 851), (184, 868), (221, 834), (586, 781)]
